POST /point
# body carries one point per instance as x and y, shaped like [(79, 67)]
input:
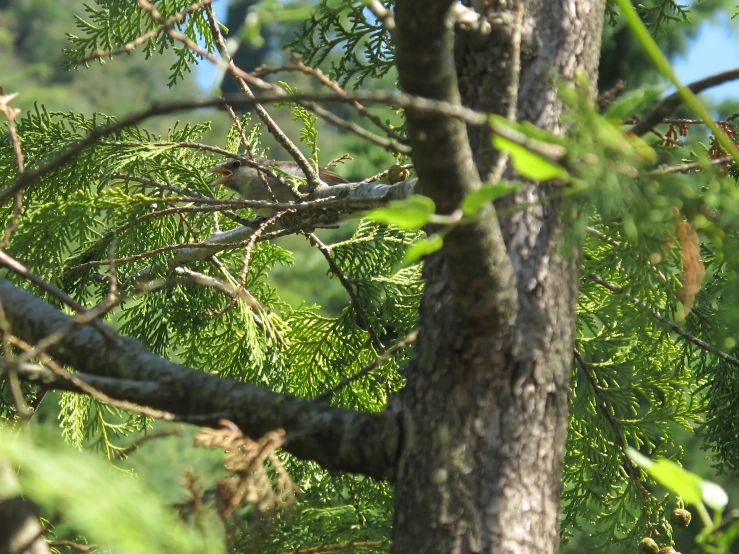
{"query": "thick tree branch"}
[(480, 270), (337, 439)]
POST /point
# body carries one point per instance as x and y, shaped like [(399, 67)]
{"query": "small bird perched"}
[(247, 183)]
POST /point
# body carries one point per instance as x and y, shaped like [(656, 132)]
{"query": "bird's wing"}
[(331, 178)]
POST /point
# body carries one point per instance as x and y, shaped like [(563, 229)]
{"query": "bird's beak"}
[(225, 174)]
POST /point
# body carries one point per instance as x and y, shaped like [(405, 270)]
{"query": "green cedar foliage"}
[(638, 378), (110, 24)]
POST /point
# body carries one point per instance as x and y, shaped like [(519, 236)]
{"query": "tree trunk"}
[(485, 409)]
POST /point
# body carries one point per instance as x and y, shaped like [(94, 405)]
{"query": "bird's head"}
[(227, 169)]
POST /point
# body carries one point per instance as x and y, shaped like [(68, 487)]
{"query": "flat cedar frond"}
[(110, 24)]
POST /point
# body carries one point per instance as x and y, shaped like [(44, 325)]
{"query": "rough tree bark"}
[(486, 406), (476, 458)]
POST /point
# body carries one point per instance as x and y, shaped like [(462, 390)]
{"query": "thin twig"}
[(605, 98), (138, 443), (513, 88), (334, 86), (78, 383), (16, 267), (347, 284), (672, 102), (258, 232), (411, 103), (408, 339), (340, 546), (10, 115), (387, 144), (665, 138), (112, 296), (138, 41), (662, 319), (16, 392), (241, 290), (684, 168), (339, 160), (630, 467), (83, 548), (248, 159), (195, 47), (173, 188), (241, 78)]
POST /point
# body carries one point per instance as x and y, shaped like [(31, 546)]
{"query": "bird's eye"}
[(234, 164)]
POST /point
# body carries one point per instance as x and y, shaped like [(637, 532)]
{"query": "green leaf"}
[(527, 163), (529, 129), (412, 213), (422, 248), (473, 203), (672, 476)]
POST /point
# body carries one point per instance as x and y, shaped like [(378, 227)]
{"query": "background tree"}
[(469, 424)]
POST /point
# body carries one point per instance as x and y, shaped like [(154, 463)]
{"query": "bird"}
[(246, 181)]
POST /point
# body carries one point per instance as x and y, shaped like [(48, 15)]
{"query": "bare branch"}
[(70, 381), (385, 16), (684, 168), (349, 288), (138, 443), (339, 546), (328, 203), (337, 439), (672, 102), (16, 267), (608, 96), (417, 105)]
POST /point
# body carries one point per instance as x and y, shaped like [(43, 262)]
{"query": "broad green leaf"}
[(412, 213), (474, 202), (422, 248), (529, 129), (527, 163), (672, 476)]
